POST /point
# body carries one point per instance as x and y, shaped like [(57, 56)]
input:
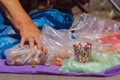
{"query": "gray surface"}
[(52, 77)]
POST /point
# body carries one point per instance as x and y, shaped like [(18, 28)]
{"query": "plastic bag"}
[(23, 55), (72, 65), (106, 58), (98, 63), (92, 27), (58, 44), (104, 34)]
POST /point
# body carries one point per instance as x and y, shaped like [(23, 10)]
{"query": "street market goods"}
[(23, 55), (82, 52)]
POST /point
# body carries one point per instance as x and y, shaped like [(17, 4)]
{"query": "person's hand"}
[(30, 33), (23, 23)]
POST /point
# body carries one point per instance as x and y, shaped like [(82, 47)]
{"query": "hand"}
[(22, 22), (30, 33)]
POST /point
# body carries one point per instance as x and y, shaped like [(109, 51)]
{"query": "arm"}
[(22, 22)]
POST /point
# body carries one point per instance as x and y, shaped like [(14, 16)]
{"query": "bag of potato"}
[(23, 55)]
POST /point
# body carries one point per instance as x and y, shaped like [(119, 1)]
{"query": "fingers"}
[(40, 47), (22, 42), (32, 43)]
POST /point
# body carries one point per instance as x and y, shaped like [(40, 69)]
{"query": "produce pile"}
[(90, 45)]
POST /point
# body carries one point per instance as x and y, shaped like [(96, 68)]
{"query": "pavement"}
[(6, 76), (9, 76)]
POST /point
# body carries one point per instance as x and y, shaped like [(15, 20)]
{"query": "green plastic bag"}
[(106, 58), (72, 66), (98, 63)]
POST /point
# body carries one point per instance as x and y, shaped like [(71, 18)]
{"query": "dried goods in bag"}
[(23, 55)]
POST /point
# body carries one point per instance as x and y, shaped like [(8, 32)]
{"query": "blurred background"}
[(101, 8)]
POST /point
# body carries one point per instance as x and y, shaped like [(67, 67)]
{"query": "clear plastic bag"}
[(104, 34), (23, 55), (58, 43), (92, 27)]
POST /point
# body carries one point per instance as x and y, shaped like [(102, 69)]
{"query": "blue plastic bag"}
[(52, 17)]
